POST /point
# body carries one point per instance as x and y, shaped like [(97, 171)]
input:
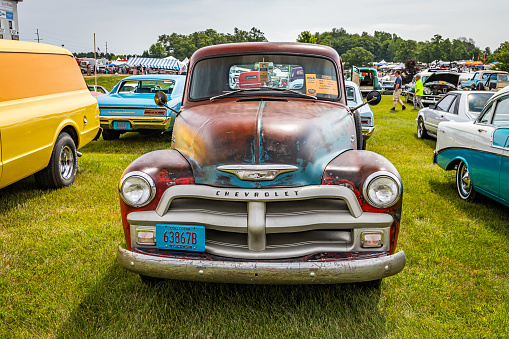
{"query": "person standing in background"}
[(398, 88), (418, 93)]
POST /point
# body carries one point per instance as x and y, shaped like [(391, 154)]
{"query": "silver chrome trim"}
[(145, 177), (260, 194), (367, 132), (256, 272), (368, 181), (234, 169)]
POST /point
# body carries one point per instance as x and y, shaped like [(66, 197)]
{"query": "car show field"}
[(59, 275)]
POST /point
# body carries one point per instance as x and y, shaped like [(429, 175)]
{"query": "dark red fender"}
[(351, 170), (167, 168)]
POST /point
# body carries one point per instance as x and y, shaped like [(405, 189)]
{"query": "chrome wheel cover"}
[(420, 126), (66, 162), (465, 184)]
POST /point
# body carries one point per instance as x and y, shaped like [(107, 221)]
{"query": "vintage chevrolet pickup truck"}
[(266, 184)]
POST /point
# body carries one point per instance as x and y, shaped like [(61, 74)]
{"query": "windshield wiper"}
[(235, 92), (255, 89), (291, 91)]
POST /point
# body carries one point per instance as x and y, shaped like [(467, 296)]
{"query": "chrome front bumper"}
[(256, 272), (367, 132), (137, 123)]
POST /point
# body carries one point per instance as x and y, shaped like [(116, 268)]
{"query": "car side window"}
[(501, 114), (487, 114), (475, 76), (452, 107), (445, 103)]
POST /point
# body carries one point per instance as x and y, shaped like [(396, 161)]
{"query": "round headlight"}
[(137, 189), (427, 91), (382, 189)]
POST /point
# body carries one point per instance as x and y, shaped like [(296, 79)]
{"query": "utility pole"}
[(106, 47), (38, 39)]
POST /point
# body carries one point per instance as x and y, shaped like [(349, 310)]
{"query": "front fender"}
[(167, 168), (351, 169)]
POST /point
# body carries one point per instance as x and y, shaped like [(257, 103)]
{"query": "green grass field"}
[(59, 277)]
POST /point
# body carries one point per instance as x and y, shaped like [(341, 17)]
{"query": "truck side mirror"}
[(373, 98), (161, 99)]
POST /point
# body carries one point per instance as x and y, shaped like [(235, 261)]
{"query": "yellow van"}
[(46, 114)]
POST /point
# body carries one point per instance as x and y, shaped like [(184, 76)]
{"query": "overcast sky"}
[(131, 26)]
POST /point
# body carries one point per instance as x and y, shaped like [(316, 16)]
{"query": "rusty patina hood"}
[(305, 134)]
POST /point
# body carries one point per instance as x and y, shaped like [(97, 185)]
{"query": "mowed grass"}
[(59, 277)]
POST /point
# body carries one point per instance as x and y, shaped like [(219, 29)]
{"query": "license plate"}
[(121, 125), (180, 237)]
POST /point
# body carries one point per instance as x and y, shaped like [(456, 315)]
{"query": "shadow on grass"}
[(430, 142), (121, 305), (492, 213), (130, 142), (18, 193)]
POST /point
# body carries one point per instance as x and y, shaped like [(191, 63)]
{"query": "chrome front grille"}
[(267, 223)]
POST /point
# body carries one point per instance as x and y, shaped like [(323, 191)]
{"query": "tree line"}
[(355, 49)]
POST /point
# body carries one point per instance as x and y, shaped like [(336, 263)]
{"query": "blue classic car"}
[(479, 151), (354, 98), (130, 105)]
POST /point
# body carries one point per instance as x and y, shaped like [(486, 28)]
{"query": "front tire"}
[(421, 130), (358, 129), (464, 185), (407, 99), (62, 167)]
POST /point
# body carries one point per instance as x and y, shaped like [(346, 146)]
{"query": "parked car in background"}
[(263, 185), (435, 86), (97, 90), (478, 150), (495, 82), (249, 79), (130, 107), (354, 98), (454, 106), (366, 78), (387, 83), (46, 114), (480, 76)]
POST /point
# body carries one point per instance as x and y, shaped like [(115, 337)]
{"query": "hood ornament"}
[(257, 172)]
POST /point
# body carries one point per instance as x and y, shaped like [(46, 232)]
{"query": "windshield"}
[(308, 75), (146, 86)]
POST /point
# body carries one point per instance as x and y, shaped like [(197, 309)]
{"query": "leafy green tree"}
[(357, 56), (459, 51), (425, 52), (501, 55), (436, 52), (306, 36), (446, 47), (407, 50), (324, 39), (157, 50), (182, 46)]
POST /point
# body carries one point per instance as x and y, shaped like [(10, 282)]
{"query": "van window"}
[(32, 75)]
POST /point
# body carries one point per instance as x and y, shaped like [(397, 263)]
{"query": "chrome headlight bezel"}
[(146, 179), (379, 175)]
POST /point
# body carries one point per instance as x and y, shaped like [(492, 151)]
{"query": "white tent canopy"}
[(167, 63)]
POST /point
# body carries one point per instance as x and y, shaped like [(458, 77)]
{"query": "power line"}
[(38, 39)]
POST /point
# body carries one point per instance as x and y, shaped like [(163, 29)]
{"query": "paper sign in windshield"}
[(264, 71), (321, 84)]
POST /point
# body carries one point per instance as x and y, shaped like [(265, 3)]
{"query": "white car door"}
[(438, 114)]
